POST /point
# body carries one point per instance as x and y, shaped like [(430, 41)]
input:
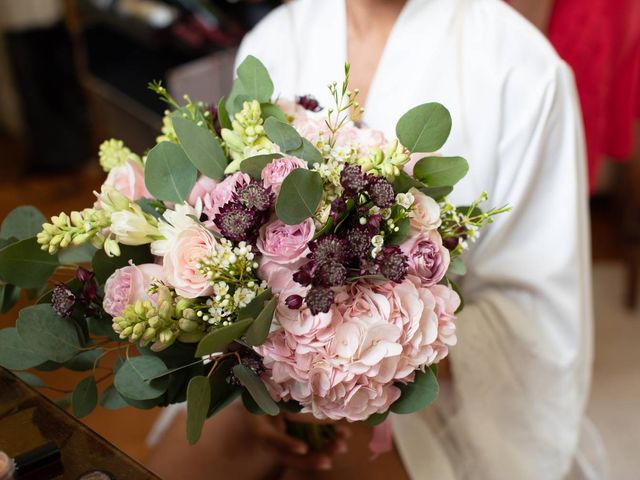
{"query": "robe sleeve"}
[(522, 364)]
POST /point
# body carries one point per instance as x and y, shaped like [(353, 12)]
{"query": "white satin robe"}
[(522, 366)]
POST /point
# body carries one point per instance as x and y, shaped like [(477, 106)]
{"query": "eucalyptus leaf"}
[(104, 266), (201, 146), (457, 267), (9, 295), (404, 182), (198, 401), (307, 152), (26, 265), (255, 306), (168, 173), (256, 388), (222, 392), (418, 394), (219, 338), (440, 171), (74, 255), (253, 166), (111, 399), (84, 360), (30, 379), (424, 128), (437, 193), (22, 223), (132, 379), (47, 334), (271, 110), (154, 208), (376, 419), (64, 401), (299, 197), (84, 398), (101, 326), (223, 115), (396, 238), (259, 330), (255, 80), (250, 404), (282, 134)]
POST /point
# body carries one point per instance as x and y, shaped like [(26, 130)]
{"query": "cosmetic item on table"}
[(42, 462)]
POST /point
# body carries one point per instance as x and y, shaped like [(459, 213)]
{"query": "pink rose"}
[(428, 257), (209, 196), (129, 284), (447, 302), (274, 174), (311, 126), (128, 179), (182, 260), (363, 138), (426, 212)]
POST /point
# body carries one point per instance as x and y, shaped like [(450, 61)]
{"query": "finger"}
[(312, 461), (343, 431), (280, 441)]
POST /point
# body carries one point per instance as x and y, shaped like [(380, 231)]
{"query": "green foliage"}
[(299, 197), (307, 152), (30, 379), (255, 306), (104, 266), (424, 128), (198, 401), (84, 398), (253, 83), (417, 394), (259, 330), (24, 264), (201, 146), (222, 392), (15, 354), (250, 404), (22, 223), (440, 171), (457, 267), (253, 166), (133, 379), (84, 360), (271, 110), (223, 115), (396, 238), (111, 399), (376, 419), (168, 173), (9, 295), (282, 134), (405, 182), (47, 334), (74, 255), (256, 389), (219, 338)]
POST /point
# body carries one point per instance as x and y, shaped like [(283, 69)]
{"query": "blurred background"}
[(74, 72)]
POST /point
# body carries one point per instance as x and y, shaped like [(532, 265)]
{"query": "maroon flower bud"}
[(393, 264), (294, 302), (319, 300), (330, 274), (63, 300), (381, 192), (374, 222), (308, 102), (83, 275), (353, 180), (304, 276), (451, 242)]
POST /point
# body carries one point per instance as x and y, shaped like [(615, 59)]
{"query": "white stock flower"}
[(172, 223), (131, 227)]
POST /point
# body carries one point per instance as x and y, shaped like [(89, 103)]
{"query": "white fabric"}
[(522, 366)]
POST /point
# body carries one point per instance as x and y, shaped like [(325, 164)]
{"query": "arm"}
[(537, 12)]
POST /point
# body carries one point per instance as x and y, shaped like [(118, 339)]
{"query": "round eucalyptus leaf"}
[(299, 196), (418, 394), (168, 173), (30, 379), (47, 334), (256, 389), (253, 166), (219, 338), (132, 378), (26, 265), (440, 171), (84, 398), (22, 223), (282, 134), (111, 399), (201, 146), (424, 128)]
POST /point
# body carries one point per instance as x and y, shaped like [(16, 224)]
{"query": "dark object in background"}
[(51, 98)]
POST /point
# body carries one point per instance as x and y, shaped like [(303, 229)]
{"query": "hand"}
[(294, 453)]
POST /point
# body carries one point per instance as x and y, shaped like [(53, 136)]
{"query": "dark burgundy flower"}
[(294, 302), (374, 222), (338, 207), (359, 241), (451, 242), (254, 196), (308, 102), (353, 180), (319, 299), (237, 222), (63, 300), (249, 359), (83, 275), (215, 119), (381, 192), (329, 248), (392, 263), (330, 274), (304, 275)]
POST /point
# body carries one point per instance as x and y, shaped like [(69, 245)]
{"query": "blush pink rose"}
[(208, 196), (274, 174), (129, 284), (364, 138), (128, 179), (447, 302), (181, 262), (426, 213), (428, 258)]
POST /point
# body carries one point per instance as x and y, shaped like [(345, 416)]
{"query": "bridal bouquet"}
[(277, 252)]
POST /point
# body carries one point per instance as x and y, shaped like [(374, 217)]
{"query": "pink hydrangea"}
[(129, 284), (346, 363), (363, 138), (128, 179), (274, 174), (447, 302)]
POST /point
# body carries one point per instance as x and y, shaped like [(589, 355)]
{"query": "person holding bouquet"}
[(513, 404)]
